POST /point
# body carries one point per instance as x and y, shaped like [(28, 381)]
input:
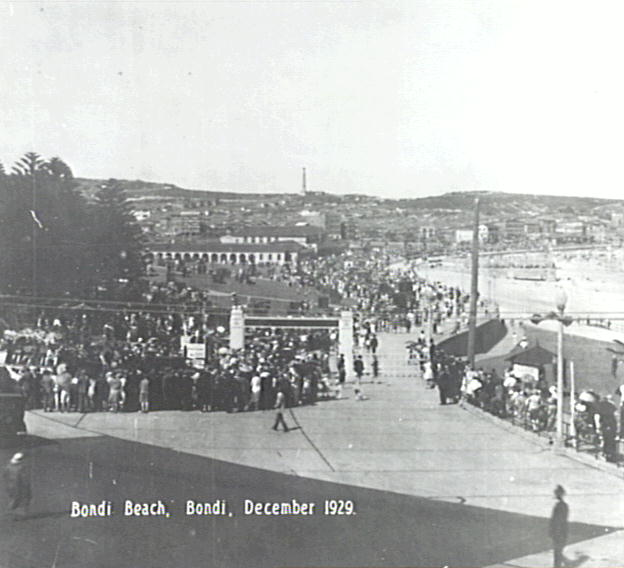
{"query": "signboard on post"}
[(196, 352), (526, 372)]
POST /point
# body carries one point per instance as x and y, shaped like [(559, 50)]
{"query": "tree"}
[(120, 236), (29, 164), (55, 243), (58, 168), (45, 231)]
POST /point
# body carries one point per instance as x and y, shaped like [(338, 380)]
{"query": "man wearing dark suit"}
[(432, 350), (17, 482), (558, 529), (342, 373), (443, 381), (358, 367)]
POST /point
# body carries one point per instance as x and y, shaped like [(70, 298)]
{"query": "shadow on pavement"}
[(387, 529), (578, 560), (24, 441)]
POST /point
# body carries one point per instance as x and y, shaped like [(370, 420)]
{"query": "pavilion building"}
[(275, 252)]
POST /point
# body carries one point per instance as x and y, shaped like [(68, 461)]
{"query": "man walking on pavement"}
[(17, 483), (144, 394), (358, 368), (443, 380), (558, 530), (280, 406), (342, 375)]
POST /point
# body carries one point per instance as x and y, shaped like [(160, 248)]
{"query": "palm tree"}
[(28, 165)]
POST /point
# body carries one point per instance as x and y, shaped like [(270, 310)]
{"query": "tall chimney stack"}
[(303, 186)]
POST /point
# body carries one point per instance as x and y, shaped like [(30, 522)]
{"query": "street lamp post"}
[(560, 301)]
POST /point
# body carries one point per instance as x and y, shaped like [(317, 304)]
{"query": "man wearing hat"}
[(280, 406), (607, 421), (620, 392), (558, 529), (17, 483)]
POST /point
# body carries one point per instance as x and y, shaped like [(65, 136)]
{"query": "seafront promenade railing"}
[(584, 438)]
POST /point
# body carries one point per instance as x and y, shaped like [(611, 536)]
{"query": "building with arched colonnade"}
[(226, 253)]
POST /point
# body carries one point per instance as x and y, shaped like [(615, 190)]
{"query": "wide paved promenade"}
[(433, 485)]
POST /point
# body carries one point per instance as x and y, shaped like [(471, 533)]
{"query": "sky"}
[(396, 99)]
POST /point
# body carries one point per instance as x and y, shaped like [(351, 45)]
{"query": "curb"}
[(570, 453)]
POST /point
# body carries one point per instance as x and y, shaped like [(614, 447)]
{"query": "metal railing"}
[(584, 438)]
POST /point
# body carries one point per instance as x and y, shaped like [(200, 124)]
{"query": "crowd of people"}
[(137, 363), (371, 283), (126, 360), (107, 357), (598, 422), (113, 359)]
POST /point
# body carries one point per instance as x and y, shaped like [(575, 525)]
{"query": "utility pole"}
[(474, 288), (304, 187), (561, 300)]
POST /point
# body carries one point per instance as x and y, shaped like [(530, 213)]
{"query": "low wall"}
[(488, 334)]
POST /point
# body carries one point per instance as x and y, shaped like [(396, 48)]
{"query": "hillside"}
[(449, 209), (146, 189), (508, 204)]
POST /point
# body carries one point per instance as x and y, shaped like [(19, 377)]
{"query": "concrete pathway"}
[(601, 552), (398, 440)]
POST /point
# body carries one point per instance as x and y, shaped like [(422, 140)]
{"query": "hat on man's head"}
[(559, 490), (17, 458)]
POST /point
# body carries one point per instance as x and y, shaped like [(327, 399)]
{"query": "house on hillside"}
[(465, 235)]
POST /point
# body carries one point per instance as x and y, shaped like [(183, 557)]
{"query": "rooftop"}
[(271, 231), (214, 246), (535, 356)]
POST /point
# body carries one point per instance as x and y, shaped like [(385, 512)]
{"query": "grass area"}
[(262, 288), (267, 296), (592, 361)]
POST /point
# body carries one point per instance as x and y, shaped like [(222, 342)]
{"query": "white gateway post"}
[(345, 342), (237, 328)]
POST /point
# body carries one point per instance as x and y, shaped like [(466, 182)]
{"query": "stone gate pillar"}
[(237, 328), (345, 342)]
